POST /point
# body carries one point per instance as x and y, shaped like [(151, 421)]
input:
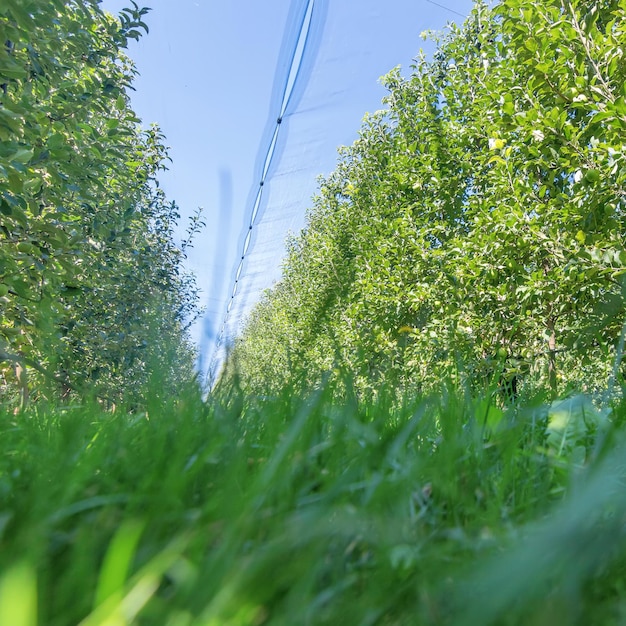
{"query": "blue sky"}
[(207, 77)]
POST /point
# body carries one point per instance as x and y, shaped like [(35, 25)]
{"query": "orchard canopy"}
[(473, 232), (92, 292), (476, 227)]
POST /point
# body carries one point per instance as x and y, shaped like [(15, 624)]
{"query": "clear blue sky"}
[(207, 71)]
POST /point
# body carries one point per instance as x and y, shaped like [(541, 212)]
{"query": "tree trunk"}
[(22, 379), (552, 378)]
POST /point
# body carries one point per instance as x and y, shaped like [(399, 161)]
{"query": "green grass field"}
[(247, 511)]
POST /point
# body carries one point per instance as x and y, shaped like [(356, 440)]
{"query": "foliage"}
[(91, 287), (476, 227), (302, 510), (472, 222)]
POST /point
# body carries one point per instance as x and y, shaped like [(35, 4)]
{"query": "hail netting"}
[(326, 79)]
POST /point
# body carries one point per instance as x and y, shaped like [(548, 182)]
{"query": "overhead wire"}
[(441, 6)]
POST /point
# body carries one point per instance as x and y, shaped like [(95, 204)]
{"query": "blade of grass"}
[(121, 608), (118, 560), (18, 596)]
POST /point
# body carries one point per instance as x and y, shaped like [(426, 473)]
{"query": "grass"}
[(298, 509)]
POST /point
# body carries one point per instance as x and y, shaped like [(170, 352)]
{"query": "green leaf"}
[(56, 141), (22, 155)]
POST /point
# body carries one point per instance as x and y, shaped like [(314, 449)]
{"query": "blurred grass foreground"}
[(305, 510)]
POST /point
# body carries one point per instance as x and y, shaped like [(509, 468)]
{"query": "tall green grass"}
[(299, 509)]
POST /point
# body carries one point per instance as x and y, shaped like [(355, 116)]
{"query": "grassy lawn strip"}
[(291, 510)]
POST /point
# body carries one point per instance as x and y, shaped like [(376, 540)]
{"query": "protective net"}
[(312, 68)]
